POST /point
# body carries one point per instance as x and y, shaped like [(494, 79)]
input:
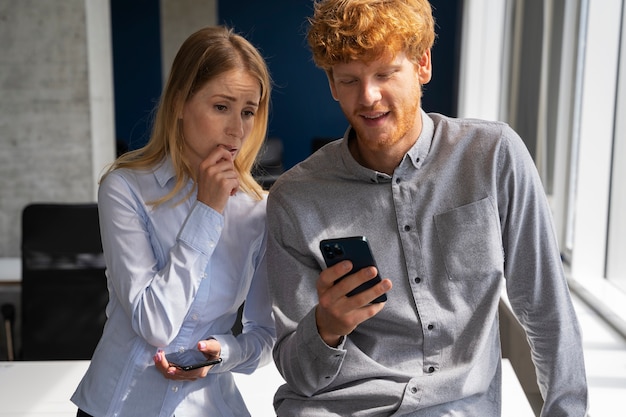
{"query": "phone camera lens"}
[(338, 250)]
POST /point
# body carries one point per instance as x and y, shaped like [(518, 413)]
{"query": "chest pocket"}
[(469, 237)]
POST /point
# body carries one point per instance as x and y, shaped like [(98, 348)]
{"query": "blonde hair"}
[(345, 30), (205, 54)]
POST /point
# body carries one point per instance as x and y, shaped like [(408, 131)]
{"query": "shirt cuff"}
[(314, 342), (202, 228)]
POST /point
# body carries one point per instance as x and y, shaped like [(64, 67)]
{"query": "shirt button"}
[(413, 390), (195, 317), (398, 180), (431, 369), (175, 389), (418, 280), (407, 228), (430, 327)]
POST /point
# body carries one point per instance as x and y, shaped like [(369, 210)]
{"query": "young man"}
[(453, 210)]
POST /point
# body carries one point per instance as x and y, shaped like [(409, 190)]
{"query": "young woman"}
[(184, 237)]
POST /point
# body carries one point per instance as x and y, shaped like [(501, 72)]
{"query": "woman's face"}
[(221, 113)]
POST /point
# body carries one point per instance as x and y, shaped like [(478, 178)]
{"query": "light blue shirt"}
[(176, 275)]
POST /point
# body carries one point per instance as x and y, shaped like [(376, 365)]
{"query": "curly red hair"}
[(345, 30)]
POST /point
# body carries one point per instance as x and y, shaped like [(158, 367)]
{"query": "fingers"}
[(173, 373), (163, 366), (217, 179), (328, 281), (338, 315), (211, 348)]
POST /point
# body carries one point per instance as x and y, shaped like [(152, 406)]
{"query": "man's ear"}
[(331, 84), (425, 68)]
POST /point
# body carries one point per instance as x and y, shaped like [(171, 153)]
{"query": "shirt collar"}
[(419, 151), (164, 171), (417, 154)]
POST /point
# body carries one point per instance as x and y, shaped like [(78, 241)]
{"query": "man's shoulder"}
[(441, 121), (325, 161), (453, 129)]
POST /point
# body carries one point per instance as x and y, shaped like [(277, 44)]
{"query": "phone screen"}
[(190, 359), (356, 249)]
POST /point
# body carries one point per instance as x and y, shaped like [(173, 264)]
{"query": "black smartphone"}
[(190, 359), (357, 250)]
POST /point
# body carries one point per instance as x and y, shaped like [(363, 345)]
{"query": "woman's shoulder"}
[(246, 203), (246, 214)]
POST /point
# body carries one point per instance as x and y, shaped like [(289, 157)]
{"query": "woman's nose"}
[(235, 127)]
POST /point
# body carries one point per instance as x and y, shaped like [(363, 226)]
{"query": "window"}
[(561, 86), (616, 258)]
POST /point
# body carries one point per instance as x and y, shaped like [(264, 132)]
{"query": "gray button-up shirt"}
[(463, 214)]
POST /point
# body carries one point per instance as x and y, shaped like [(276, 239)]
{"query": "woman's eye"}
[(220, 107), (248, 113)]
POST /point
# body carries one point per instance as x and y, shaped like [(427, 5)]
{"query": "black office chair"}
[(8, 315), (64, 291)]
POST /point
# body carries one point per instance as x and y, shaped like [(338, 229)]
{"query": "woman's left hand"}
[(211, 349)]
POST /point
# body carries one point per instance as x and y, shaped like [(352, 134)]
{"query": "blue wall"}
[(302, 107)]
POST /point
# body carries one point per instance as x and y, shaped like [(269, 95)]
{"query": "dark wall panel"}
[(136, 38)]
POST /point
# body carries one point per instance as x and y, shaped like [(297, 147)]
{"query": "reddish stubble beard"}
[(396, 127)]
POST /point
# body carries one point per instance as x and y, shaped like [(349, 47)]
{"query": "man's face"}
[(381, 99)]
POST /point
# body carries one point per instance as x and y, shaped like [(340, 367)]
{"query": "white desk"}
[(39, 389), (43, 389)]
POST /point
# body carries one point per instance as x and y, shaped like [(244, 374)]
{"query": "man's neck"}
[(381, 160)]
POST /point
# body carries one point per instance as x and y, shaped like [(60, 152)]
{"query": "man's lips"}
[(374, 116)]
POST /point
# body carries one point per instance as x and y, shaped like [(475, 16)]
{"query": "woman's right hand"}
[(217, 179)]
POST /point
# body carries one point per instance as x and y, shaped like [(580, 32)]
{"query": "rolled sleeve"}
[(200, 234)]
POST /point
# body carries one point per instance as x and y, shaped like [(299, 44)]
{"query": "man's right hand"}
[(336, 314)]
